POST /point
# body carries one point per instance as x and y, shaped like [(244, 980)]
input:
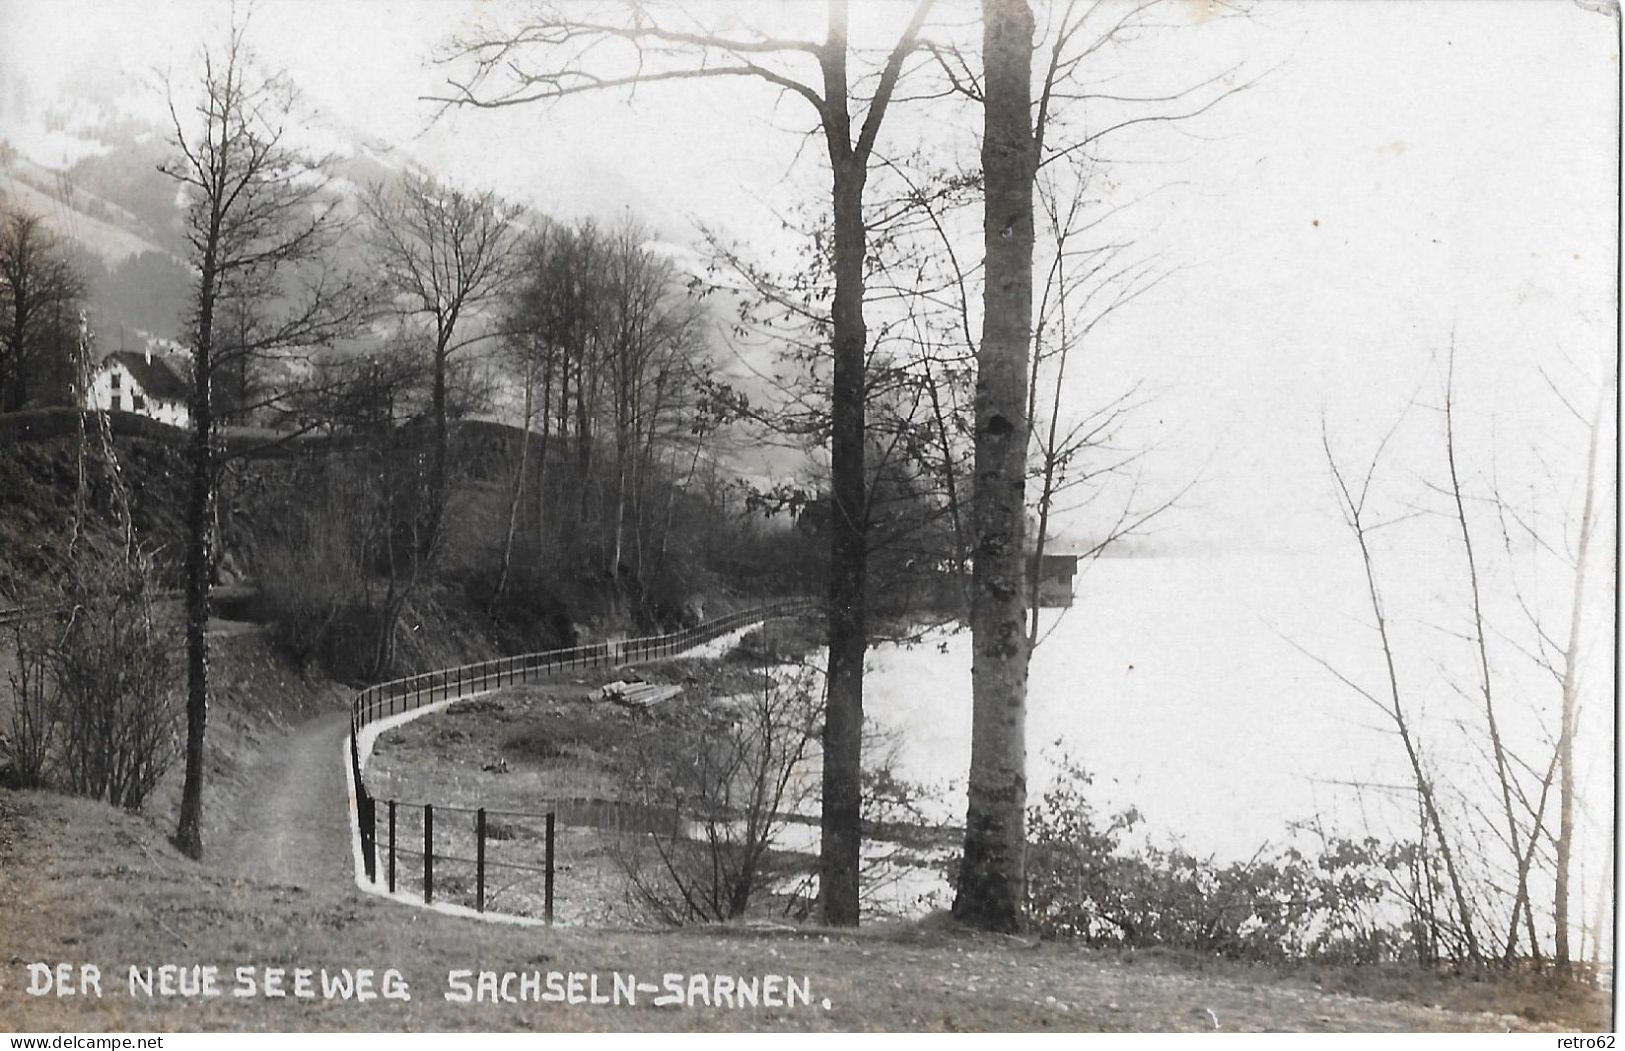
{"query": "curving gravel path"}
[(294, 822), (292, 819)]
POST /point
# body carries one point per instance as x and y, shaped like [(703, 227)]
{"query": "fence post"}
[(479, 859), (392, 846), (428, 853), (547, 899), (366, 827)]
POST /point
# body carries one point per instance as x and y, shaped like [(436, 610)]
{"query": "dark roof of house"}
[(157, 377)]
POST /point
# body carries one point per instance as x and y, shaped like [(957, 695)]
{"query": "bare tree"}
[(1503, 773), (1560, 551), (255, 220), (1571, 667), (917, 401), (443, 255), (553, 324), (1353, 495), (39, 294), (647, 339), (563, 52), (603, 315)]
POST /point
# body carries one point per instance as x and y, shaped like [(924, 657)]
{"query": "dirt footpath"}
[(294, 824)]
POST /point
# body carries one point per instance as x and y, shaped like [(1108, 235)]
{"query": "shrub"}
[(115, 673), (1073, 866), (731, 776), (33, 711), (1335, 903), (95, 711)]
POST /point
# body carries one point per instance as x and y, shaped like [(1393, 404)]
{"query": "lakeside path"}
[(293, 825), (292, 822)]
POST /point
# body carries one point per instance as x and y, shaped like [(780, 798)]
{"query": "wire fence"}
[(474, 856)]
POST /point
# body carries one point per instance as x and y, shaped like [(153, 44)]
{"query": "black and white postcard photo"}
[(697, 516)]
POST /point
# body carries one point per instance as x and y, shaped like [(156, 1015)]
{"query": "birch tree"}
[(991, 877), (1027, 132)]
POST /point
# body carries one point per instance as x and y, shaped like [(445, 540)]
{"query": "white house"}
[(128, 381)]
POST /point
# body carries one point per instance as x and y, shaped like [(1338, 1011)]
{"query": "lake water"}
[(1180, 684)]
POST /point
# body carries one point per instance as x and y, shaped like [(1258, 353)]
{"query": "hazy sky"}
[(1399, 172)]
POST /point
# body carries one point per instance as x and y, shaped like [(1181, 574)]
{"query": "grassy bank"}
[(82, 883)]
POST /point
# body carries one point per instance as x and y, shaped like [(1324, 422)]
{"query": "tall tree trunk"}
[(1571, 669), (583, 437), (992, 881), (564, 423), (1604, 897), (518, 483), (949, 482), (842, 815), (564, 397), (439, 478), (200, 491), (848, 621), (622, 440), (842, 829), (541, 457)]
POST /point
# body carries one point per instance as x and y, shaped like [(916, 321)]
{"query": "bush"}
[(1337, 903), (33, 709), (1073, 865), (95, 711), (730, 778)]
